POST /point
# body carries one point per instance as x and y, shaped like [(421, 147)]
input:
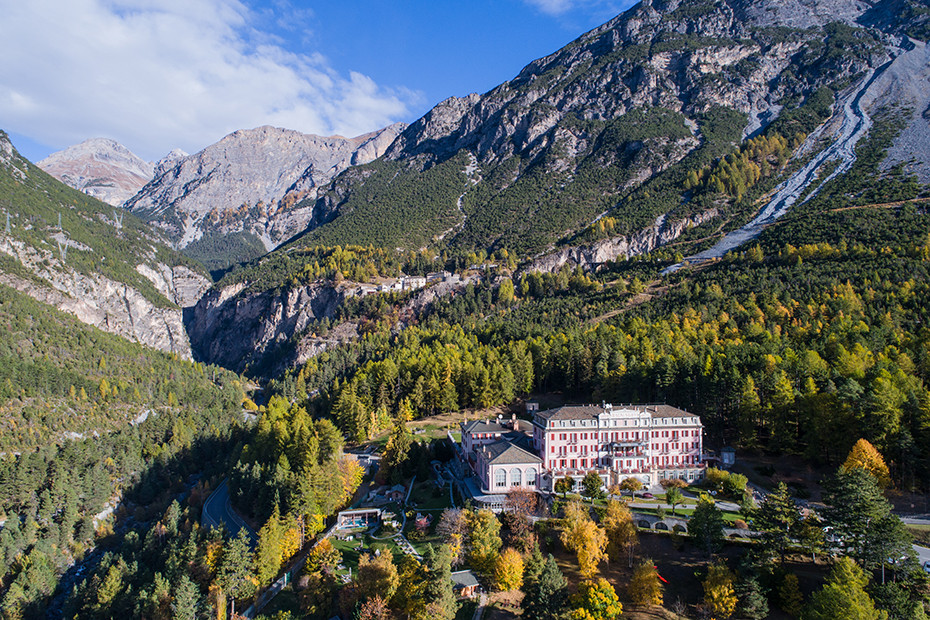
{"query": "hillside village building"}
[(647, 442)]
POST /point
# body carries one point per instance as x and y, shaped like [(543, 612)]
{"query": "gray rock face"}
[(104, 303), (720, 59), (99, 167), (589, 257), (251, 181), (179, 284), (236, 329)]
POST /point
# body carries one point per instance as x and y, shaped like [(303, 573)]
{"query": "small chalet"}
[(465, 584)]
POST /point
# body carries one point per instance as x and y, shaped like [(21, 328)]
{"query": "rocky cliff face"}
[(240, 330), (99, 167), (105, 303), (67, 250), (591, 256), (251, 181)]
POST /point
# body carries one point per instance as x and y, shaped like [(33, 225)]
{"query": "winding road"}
[(855, 124), (218, 510)]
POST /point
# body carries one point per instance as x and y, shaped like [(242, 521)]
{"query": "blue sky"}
[(160, 74)]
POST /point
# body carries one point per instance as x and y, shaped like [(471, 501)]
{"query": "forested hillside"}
[(817, 329)]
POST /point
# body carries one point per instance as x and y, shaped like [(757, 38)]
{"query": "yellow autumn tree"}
[(595, 600), (621, 531), (582, 536), (645, 587), (866, 456), (719, 594), (508, 571)]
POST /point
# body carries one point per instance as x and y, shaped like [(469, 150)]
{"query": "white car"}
[(927, 566)]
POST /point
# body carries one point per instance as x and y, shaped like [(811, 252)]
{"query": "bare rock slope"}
[(100, 167), (250, 181)]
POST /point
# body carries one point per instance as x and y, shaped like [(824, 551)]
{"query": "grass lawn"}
[(921, 533), (350, 554), (729, 517), (426, 496), (285, 601)]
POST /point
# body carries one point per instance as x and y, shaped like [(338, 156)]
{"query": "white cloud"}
[(557, 8), (552, 7), (159, 74)]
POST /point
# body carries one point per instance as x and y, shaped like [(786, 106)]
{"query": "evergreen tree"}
[(438, 593), (706, 525), (752, 603), (546, 596), (235, 572), (777, 517), (186, 599), (861, 517)]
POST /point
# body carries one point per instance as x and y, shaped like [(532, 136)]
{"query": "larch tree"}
[(484, 541), (622, 534), (595, 600), (508, 572), (582, 536), (719, 594), (843, 596), (645, 587), (863, 454)]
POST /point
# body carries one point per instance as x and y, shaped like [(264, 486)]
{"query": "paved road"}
[(218, 510), (855, 124), (923, 554)]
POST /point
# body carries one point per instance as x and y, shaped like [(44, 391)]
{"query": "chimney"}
[(513, 421)]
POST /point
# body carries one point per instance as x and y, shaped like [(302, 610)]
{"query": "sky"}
[(162, 74)]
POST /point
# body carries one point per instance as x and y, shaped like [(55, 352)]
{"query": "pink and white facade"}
[(648, 442)]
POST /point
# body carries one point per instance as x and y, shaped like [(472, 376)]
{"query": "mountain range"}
[(611, 146)]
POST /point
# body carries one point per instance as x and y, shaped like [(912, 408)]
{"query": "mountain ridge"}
[(249, 182), (100, 167)]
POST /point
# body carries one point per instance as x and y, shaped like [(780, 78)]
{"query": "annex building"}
[(648, 442)]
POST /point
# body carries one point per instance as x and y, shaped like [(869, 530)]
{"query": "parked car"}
[(648, 495), (927, 566)]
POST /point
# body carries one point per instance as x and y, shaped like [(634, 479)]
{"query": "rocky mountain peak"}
[(168, 161), (100, 167), (251, 181)]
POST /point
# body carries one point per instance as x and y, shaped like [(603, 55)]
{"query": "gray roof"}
[(667, 411), (590, 412), (464, 578), (505, 453), (481, 426), (572, 412)]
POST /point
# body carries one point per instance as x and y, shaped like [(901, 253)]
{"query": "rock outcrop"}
[(100, 167), (241, 330), (250, 181), (589, 257), (110, 305)]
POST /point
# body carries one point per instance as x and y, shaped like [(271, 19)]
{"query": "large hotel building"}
[(648, 442)]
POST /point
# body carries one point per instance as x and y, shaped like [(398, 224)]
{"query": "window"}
[(516, 477), (500, 478), (531, 477)]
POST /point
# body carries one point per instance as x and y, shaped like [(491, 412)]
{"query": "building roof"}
[(482, 426), (667, 411), (572, 412), (464, 579), (506, 453), (590, 412)]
